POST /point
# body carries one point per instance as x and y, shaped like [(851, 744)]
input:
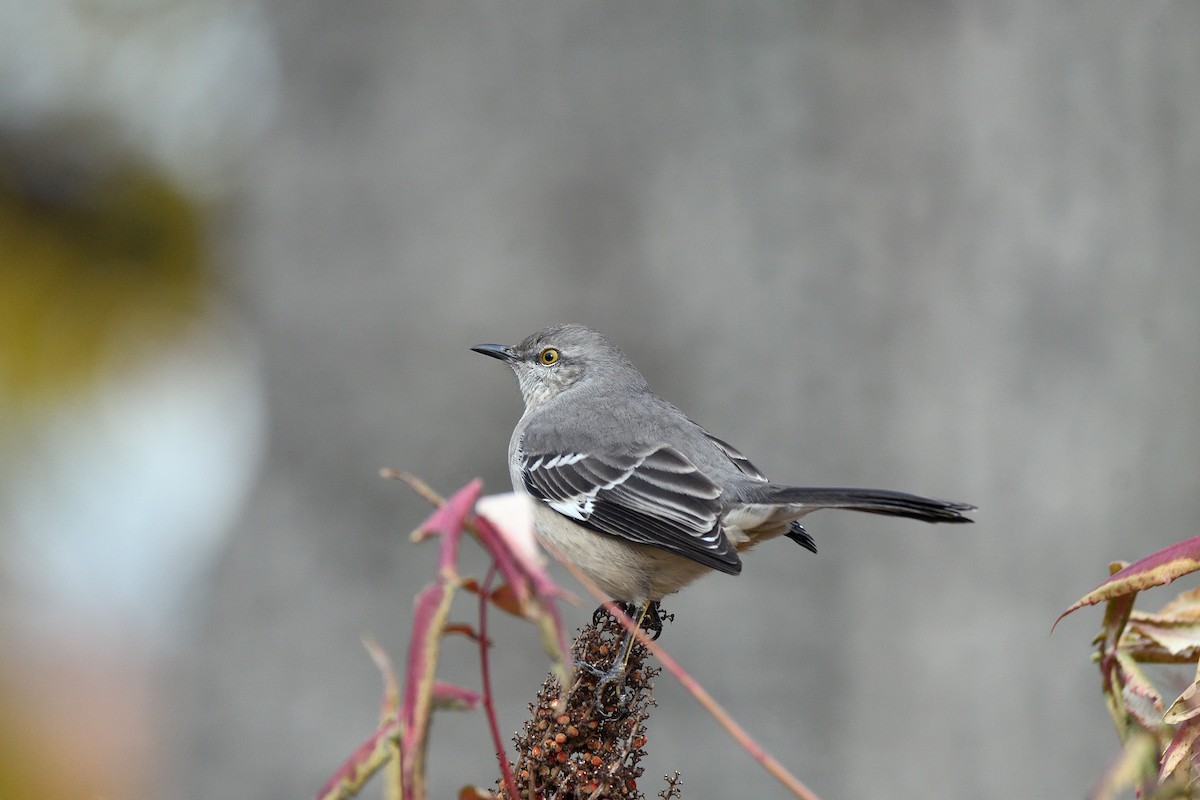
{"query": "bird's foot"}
[(602, 611), (652, 622), (614, 677)]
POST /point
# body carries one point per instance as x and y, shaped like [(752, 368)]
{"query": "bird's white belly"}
[(624, 570)]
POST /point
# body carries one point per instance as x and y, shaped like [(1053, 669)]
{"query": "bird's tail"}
[(873, 501)]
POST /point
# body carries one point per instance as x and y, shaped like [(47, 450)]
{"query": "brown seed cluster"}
[(590, 747)]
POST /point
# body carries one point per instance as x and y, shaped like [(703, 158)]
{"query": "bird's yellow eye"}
[(548, 356)]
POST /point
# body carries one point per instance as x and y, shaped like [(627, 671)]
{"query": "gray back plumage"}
[(599, 447)]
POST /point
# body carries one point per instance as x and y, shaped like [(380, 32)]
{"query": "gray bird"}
[(637, 495)]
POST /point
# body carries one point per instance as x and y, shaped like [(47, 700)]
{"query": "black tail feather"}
[(872, 501), (800, 536)]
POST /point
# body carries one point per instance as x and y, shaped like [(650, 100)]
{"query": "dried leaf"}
[(1156, 569), (1187, 706), (473, 793), (462, 629), (1148, 651), (1184, 607), (1181, 748), (505, 599), (1174, 638)]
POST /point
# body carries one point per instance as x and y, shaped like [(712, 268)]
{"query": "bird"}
[(639, 497)]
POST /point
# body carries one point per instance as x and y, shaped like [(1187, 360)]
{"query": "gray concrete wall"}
[(950, 247)]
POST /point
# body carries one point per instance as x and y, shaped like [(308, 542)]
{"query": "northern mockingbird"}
[(638, 496)]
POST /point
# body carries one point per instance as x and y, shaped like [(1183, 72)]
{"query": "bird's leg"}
[(630, 639), (617, 671)]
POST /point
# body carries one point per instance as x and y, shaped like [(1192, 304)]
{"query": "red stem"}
[(485, 590)]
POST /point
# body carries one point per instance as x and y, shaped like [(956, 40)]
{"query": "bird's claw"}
[(652, 623), (602, 611)]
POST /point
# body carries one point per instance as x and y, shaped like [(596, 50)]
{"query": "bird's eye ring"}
[(548, 357)]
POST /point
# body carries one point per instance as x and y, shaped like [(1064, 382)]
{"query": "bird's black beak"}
[(499, 351)]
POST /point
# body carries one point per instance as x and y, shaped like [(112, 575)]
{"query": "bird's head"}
[(557, 358)]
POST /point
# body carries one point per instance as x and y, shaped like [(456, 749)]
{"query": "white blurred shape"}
[(512, 514), (125, 495), (189, 83)]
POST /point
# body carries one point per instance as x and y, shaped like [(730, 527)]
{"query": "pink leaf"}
[(518, 556), (391, 686), (1156, 569), (457, 698), (448, 521), (429, 619), (1142, 700), (364, 762)]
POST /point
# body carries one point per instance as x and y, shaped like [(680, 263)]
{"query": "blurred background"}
[(948, 247)]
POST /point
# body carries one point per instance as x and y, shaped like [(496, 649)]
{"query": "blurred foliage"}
[(33, 765), (92, 266), (399, 742), (1159, 744)]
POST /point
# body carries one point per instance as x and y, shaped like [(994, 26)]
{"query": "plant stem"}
[(510, 785)]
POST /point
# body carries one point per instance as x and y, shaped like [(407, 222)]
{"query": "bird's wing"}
[(733, 454), (654, 496)]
